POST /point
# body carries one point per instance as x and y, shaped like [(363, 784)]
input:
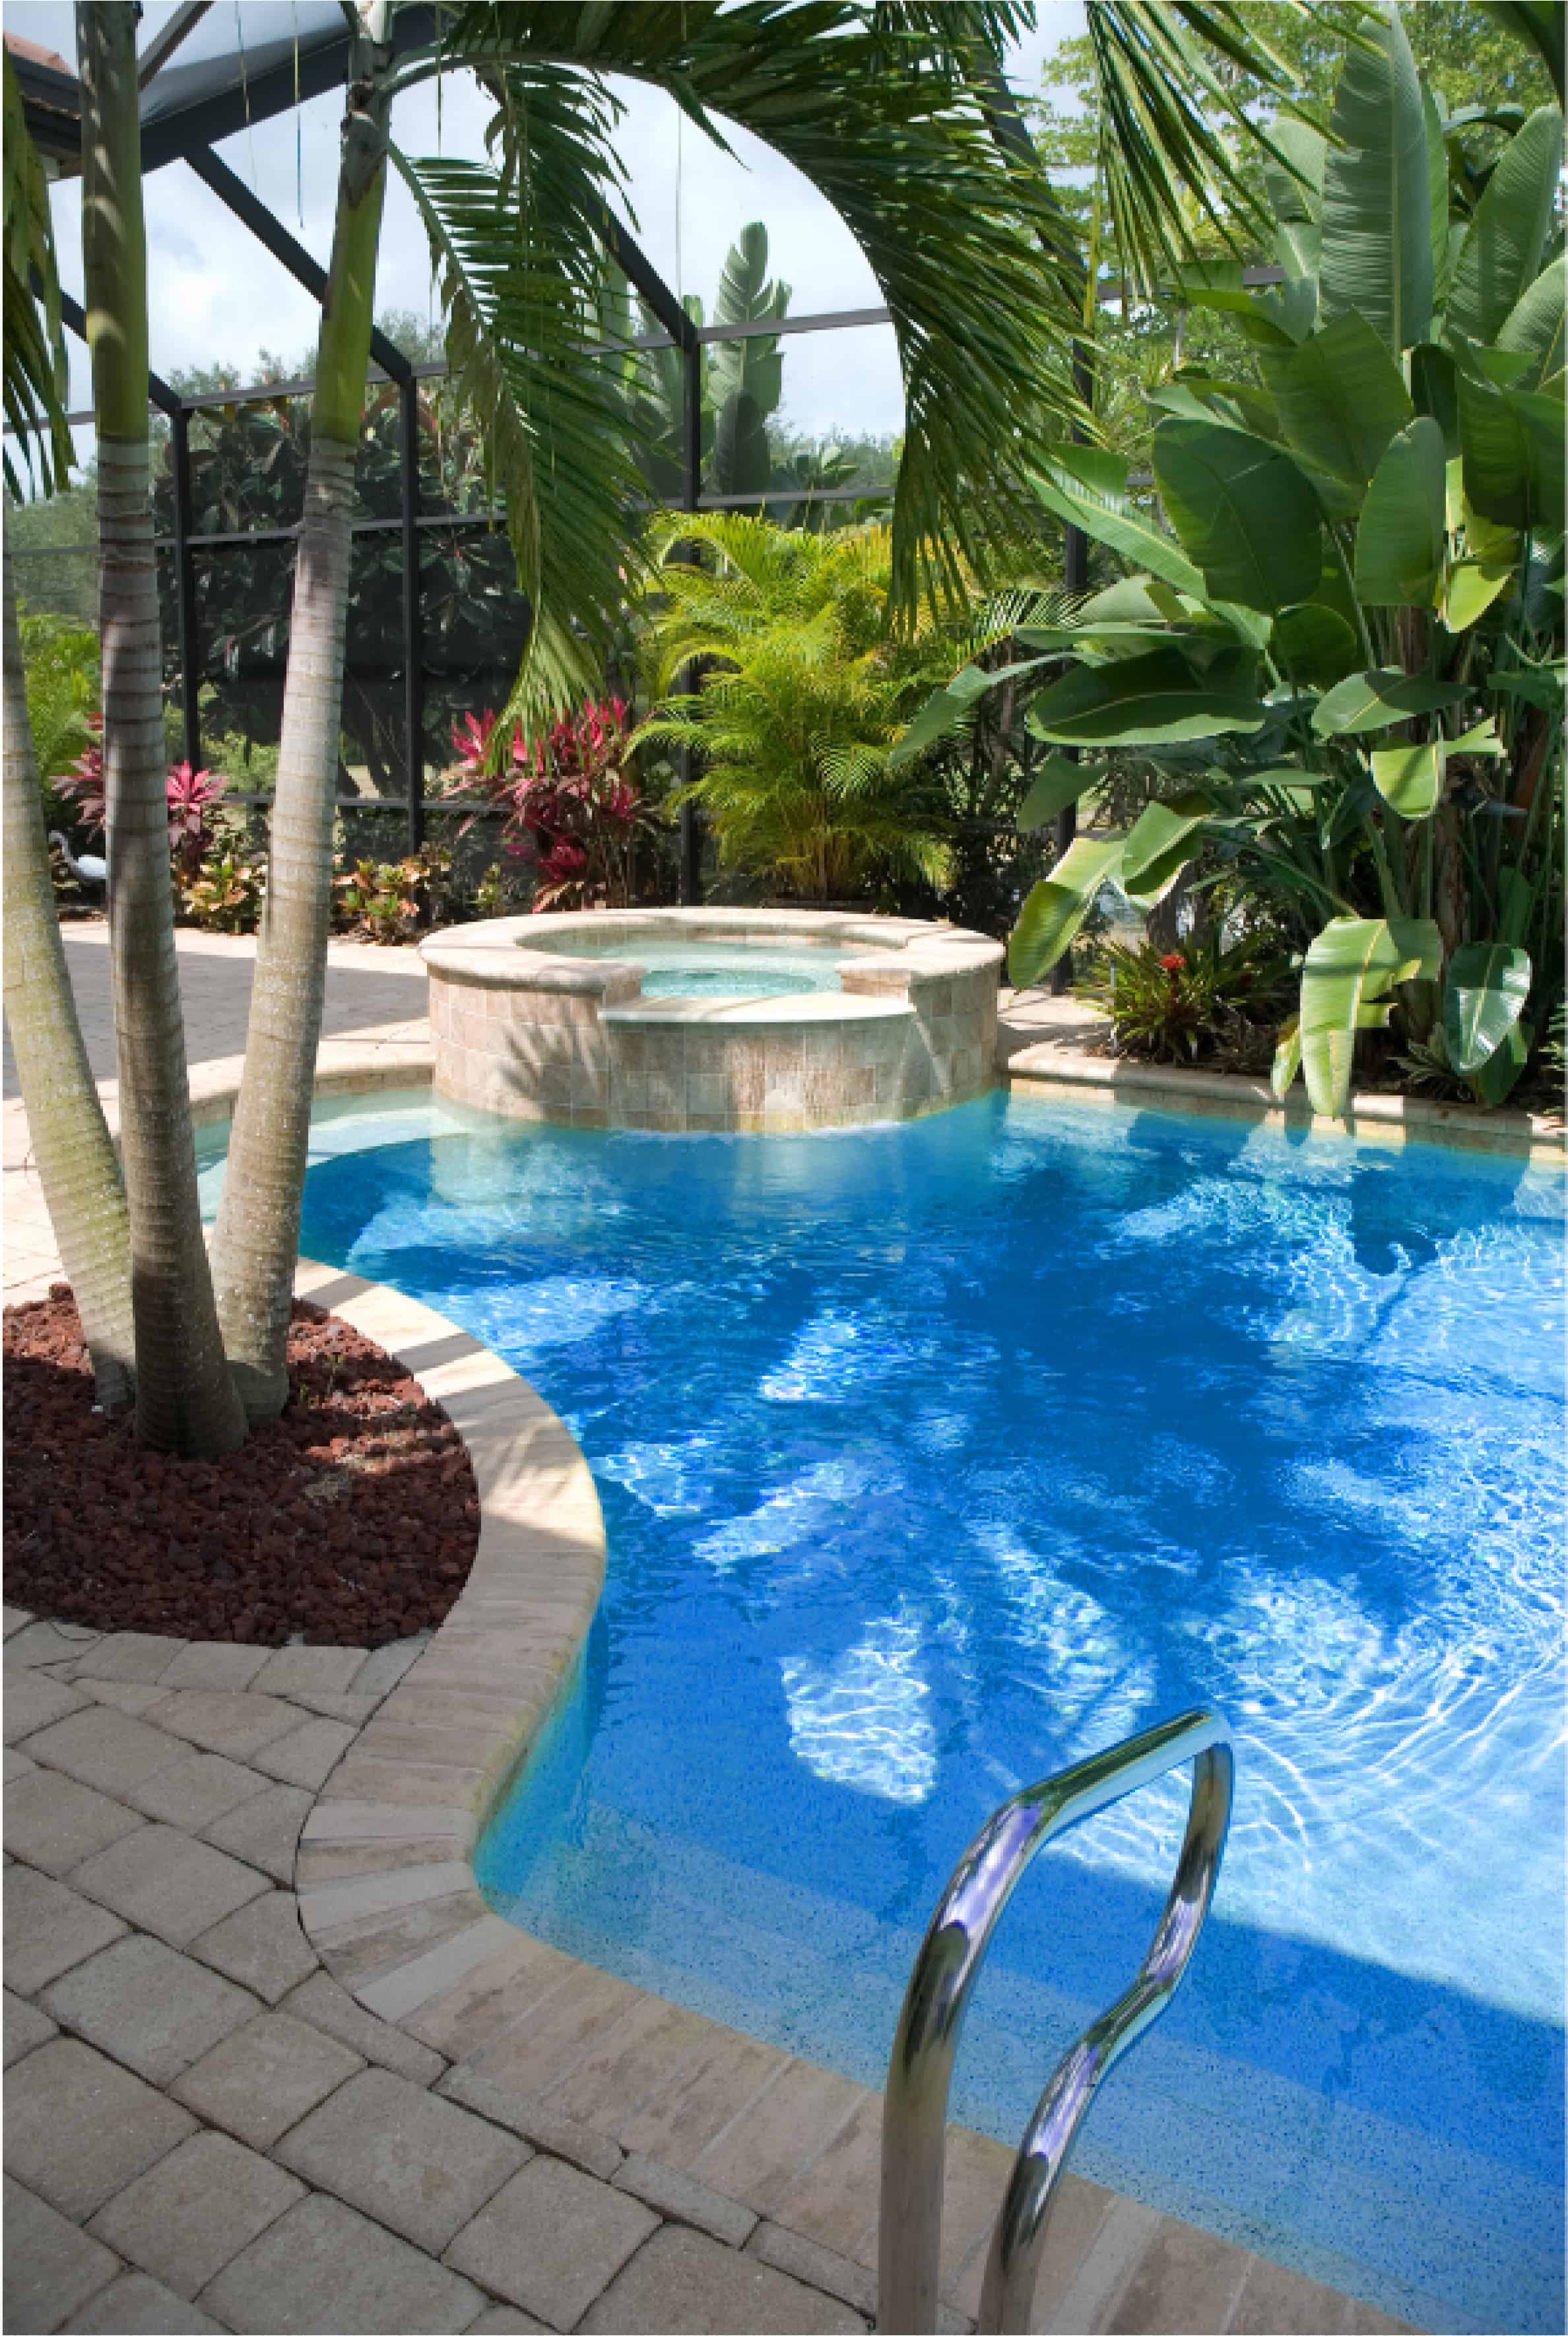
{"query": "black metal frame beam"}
[(162, 45)]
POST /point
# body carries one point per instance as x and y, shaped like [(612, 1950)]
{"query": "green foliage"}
[(802, 695), (226, 896), (63, 691), (386, 902), (1198, 1002), (1348, 677), (35, 375)]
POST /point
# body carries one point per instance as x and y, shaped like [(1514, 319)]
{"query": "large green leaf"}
[(1502, 251), (1377, 207), (1501, 1072), (1350, 968), (1399, 543), (1057, 783), (1242, 510), (1088, 488), (35, 379), (1486, 991), (1164, 839), (1057, 906), (1409, 778), (1144, 701), (949, 710), (1511, 441), (1434, 389), (1340, 397), (1534, 322), (1314, 645), (1373, 701)]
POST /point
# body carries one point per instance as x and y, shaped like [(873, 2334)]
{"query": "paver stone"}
[(78, 2127), (135, 2305), (166, 1883), (323, 2266), (262, 1946), (196, 1790), (194, 2212), (52, 1822), (686, 2280), (265, 2076), (34, 1701), (48, 1928), (50, 2266), (25, 2028), (418, 2164), (144, 2005), (552, 2240), (104, 1748), (265, 1832)]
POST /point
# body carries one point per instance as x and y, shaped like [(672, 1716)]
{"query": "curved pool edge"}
[(414, 1792)]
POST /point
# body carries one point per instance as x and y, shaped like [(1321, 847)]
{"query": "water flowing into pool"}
[(934, 1457), (694, 969)]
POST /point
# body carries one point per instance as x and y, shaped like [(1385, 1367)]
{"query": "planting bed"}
[(351, 1520)]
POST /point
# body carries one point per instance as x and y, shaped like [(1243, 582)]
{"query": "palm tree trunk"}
[(258, 1219), (185, 1398), (70, 1137)]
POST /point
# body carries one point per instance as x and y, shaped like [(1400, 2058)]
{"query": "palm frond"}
[(521, 279), (36, 371)]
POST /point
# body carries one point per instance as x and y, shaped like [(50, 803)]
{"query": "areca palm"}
[(803, 695)]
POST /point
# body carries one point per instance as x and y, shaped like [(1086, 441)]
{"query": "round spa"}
[(736, 1020)]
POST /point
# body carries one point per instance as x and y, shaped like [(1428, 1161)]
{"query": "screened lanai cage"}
[(436, 623)]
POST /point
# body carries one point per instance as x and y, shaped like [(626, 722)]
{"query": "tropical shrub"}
[(802, 695), (194, 799), (1347, 650), (226, 896), (386, 902), (573, 809), (1198, 1002)]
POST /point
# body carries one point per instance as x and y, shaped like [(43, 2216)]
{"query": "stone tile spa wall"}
[(523, 1032)]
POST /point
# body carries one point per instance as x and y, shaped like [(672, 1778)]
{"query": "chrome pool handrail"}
[(919, 2073)]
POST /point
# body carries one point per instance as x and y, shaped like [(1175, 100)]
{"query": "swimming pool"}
[(935, 1456)]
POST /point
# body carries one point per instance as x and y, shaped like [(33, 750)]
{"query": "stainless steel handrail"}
[(914, 2117)]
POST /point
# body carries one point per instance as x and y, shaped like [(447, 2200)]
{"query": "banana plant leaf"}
[(1057, 906), (1313, 644), (1163, 839), (1503, 248), (1511, 444), (1057, 783), (1487, 992), (1409, 778), (1350, 968), (947, 710), (1243, 511), (1435, 390), (1535, 323), (1086, 487), (1376, 254), (1399, 543), (1470, 587), (1287, 1059), (1373, 701), (1500, 1073), (1340, 398), (1145, 701)]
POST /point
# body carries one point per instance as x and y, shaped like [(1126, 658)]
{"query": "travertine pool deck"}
[(273, 2065)]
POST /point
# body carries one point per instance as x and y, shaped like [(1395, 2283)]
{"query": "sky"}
[(215, 294)]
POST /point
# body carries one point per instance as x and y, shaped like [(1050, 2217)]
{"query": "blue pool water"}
[(685, 969), (934, 1457)]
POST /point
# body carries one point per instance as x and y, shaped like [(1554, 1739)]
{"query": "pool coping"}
[(1053, 1068)]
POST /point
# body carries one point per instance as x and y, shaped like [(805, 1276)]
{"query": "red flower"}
[(1175, 963)]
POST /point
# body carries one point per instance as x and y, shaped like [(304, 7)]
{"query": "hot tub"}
[(712, 1020)]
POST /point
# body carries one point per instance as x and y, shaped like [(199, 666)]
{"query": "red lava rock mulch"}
[(350, 1520)]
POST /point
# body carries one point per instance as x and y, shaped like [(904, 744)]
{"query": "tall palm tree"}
[(185, 1397), (71, 1143)]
